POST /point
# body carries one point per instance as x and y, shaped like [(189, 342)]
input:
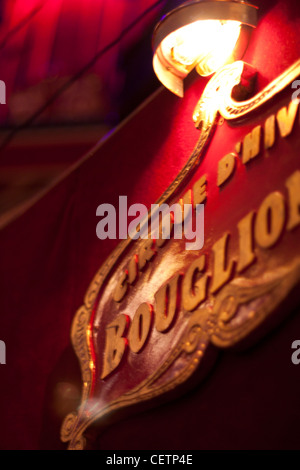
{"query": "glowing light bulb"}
[(209, 43), (203, 34), (221, 49)]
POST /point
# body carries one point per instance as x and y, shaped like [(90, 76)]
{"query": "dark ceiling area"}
[(72, 70), (76, 61)]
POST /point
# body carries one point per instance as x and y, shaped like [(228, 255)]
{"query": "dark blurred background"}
[(73, 69)]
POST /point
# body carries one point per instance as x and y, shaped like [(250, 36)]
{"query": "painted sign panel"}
[(157, 313)]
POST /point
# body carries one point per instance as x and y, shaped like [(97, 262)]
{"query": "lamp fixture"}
[(201, 34)]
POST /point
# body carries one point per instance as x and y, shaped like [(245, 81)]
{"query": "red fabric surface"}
[(50, 254), (44, 43)]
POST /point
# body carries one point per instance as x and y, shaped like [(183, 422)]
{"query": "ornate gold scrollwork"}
[(215, 323), (245, 303), (217, 95), (225, 322)]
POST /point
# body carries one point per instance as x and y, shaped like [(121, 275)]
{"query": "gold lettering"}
[(270, 220), (222, 270), (246, 254), (140, 327), (115, 344), (293, 185), (121, 288), (251, 145), (286, 118), (199, 191), (193, 288), (133, 269), (238, 147), (225, 168), (166, 302), (270, 132), (146, 253)]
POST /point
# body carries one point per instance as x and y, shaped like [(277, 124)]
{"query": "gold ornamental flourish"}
[(214, 325), (218, 92), (201, 329)]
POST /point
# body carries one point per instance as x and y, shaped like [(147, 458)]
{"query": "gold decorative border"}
[(214, 325), (206, 113), (218, 92)]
